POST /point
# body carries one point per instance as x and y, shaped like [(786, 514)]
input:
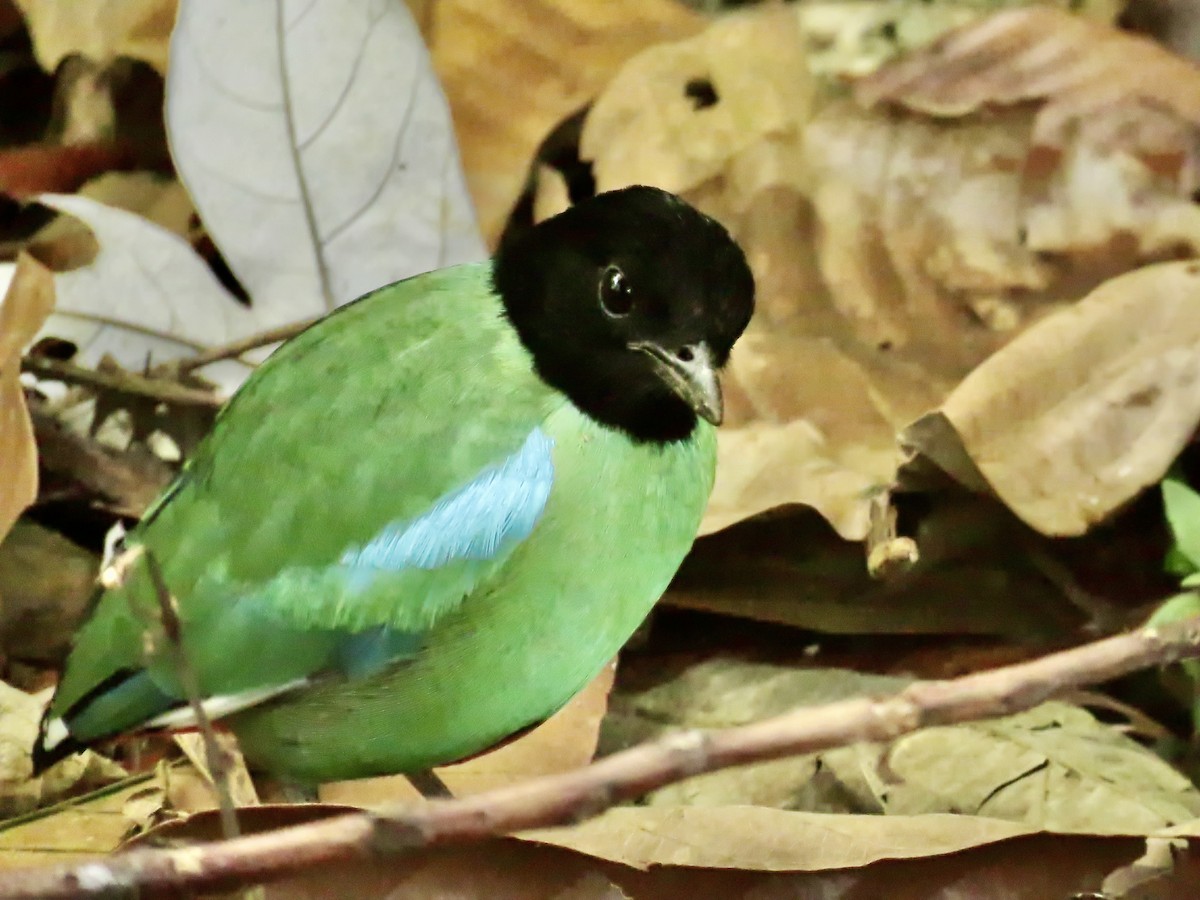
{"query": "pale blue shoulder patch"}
[(488, 515)]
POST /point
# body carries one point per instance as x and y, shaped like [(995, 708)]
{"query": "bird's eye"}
[(616, 295)]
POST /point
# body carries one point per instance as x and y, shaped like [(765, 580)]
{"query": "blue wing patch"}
[(495, 510), (375, 602)]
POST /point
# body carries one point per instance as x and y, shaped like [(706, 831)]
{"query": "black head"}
[(629, 304)]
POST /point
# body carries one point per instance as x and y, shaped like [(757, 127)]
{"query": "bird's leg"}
[(429, 785)]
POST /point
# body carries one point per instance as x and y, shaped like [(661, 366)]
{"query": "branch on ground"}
[(573, 796)]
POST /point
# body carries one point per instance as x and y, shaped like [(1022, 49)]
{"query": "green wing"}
[(367, 418)]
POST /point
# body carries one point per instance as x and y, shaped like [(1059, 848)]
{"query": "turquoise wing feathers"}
[(305, 558)]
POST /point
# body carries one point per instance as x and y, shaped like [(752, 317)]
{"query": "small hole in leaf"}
[(701, 92), (888, 31), (685, 354), (54, 348)]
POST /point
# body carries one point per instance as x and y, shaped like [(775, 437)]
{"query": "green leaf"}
[(1182, 506), (1176, 609)]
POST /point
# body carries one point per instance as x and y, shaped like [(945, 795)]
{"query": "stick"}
[(573, 796), (218, 766), (244, 345), (124, 382)]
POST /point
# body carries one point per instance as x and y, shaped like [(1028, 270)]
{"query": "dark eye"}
[(616, 296)]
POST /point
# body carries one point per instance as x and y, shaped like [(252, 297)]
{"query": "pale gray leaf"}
[(147, 297), (317, 145)]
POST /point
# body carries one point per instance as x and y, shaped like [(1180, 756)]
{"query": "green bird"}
[(430, 519)]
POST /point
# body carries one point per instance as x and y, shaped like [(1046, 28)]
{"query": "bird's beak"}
[(689, 371)]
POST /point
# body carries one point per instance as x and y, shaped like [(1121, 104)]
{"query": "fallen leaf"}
[(768, 840), (170, 306), (1087, 408), (695, 853), (722, 693), (46, 582), (101, 30), (980, 572), (158, 199), (28, 300), (1082, 67), (656, 122), (40, 169), (1055, 768), (20, 792), (241, 788), (544, 59), (1150, 869), (316, 144), (893, 250)]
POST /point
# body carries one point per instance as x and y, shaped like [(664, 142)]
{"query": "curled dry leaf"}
[(101, 30), (894, 251), (27, 302), (1085, 409)]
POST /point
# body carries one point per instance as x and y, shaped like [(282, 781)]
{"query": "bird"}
[(428, 520)]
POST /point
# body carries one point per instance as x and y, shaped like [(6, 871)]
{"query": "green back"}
[(366, 418)]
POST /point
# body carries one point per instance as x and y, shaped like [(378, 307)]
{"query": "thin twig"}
[(159, 389), (573, 796), (244, 345), (218, 765), (128, 480)]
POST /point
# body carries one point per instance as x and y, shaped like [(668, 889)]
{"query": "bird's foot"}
[(429, 785)]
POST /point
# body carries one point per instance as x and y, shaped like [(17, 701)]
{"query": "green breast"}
[(619, 521)]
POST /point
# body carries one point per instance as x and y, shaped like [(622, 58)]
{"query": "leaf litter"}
[(953, 247)]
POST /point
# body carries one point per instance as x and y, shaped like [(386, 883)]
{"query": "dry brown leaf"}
[(88, 827), (1084, 410), (978, 573), (1080, 67), (754, 68), (792, 438), (29, 300), (1054, 768), (241, 786), (163, 201), (893, 252), (513, 69), (761, 839), (45, 584), (567, 740), (856, 37), (20, 792), (101, 30), (1024, 867)]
